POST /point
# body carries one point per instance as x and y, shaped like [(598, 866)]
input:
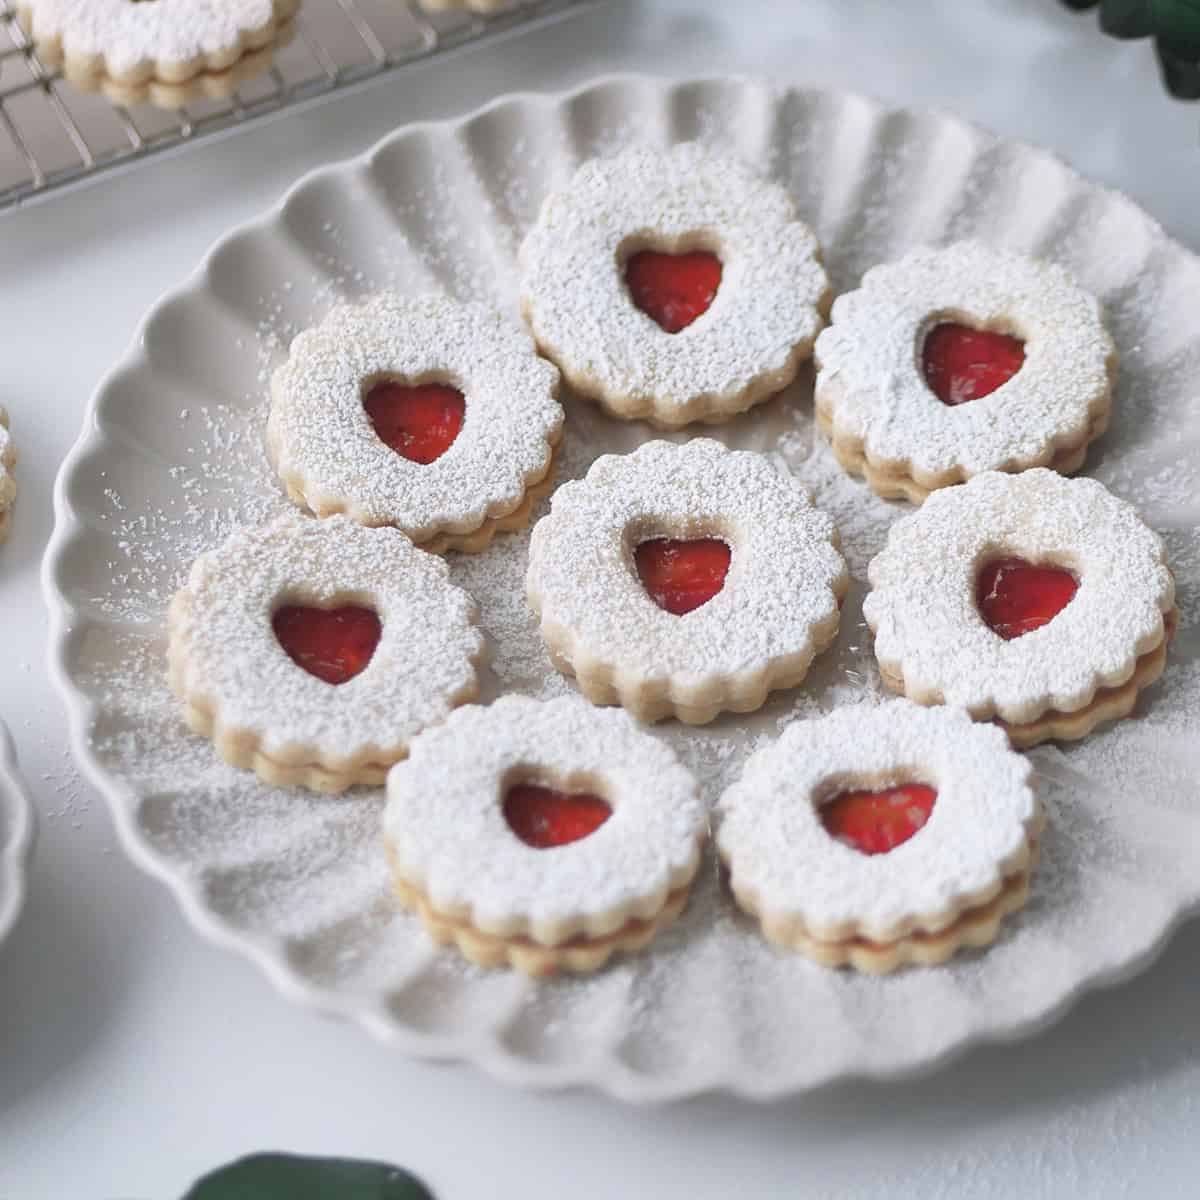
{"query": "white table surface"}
[(133, 1056)]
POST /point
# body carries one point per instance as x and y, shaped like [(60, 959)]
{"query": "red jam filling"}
[(682, 575), (420, 423), (543, 817), (962, 363), (1016, 597), (334, 644), (876, 822), (673, 289)]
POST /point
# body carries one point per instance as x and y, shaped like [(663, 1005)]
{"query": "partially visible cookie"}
[(8, 484), (882, 835), (131, 42), (207, 85), (546, 836), (961, 360), (673, 286)]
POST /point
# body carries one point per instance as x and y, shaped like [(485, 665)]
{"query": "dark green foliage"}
[(288, 1177), (1181, 72), (1175, 27), (1127, 18), (1177, 23)]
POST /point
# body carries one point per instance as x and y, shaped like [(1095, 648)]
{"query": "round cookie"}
[(960, 360), (1041, 602), (684, 580), (727, 301), (543, 835), (314, 651), (801, 829), (432, 416)]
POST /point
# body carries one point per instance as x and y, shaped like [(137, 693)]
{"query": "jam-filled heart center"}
[(1016, 597), (334, 644), (874, 822), (544, 817), (673, 289), (962, 364), (419, 422), (682, 574)]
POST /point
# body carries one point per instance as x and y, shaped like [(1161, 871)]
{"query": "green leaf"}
[(1126, 18), (1177, 22), (1181, 73), (289, 1177)]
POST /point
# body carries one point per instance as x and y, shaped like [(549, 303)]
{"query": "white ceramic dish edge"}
[(18, 828), (611, 1076)]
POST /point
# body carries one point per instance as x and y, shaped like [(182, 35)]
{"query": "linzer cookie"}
[(207, 85), (684, 580), (165, 51), (673, 286), (8, 485), (962, 360), (1040, 602), (543, 835), (432, 416), (314, 651), (882, 835)]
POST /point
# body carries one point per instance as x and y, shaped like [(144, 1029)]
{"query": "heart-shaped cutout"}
[(876, 822), (682, 574), (420, 422), (334, 644), (543, 817), (673, 289), (1016, 597), (963, 364)]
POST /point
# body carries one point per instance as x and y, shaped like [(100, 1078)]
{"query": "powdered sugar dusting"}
[(928, 631), (326, 448), (783, 581), (767, 308), (873, 391), (450, 839), (129, 36), (226, 660), (711, 1003), (779, 852)]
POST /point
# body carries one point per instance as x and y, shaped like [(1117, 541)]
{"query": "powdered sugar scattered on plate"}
[(710, 1003)]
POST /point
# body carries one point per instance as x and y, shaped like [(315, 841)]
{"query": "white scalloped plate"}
[(171, 457), (16, 835)]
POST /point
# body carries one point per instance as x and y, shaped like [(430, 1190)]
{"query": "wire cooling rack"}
[(55, 136)]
